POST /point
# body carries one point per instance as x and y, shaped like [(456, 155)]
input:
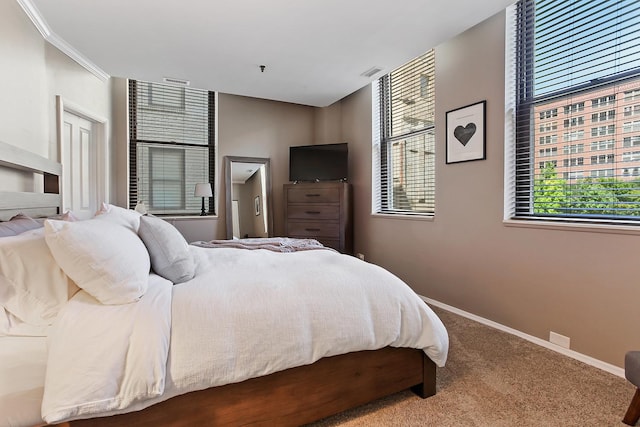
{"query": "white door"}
[(79, 161)]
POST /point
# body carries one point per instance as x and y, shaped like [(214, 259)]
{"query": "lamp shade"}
[(203, 190)]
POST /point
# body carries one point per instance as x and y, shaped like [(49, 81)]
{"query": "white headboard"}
[(33, 204)]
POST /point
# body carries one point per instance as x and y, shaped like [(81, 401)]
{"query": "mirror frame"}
[(229, 186)]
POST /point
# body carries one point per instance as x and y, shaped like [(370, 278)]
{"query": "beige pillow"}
[(33, 287), (106, 259)]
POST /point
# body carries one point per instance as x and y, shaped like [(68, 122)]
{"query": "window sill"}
[(404, 217), (186, 217), (573, 226)]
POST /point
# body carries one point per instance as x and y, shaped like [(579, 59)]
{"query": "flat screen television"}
[(326, 162)]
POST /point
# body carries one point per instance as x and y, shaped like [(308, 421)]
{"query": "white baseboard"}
[(615, 370)]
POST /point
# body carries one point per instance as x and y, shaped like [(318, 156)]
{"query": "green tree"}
[(605, 196), (549, 191)]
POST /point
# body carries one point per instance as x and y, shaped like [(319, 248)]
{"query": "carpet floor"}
[(495, 379)]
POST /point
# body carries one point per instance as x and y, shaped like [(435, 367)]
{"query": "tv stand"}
[(321, 211)]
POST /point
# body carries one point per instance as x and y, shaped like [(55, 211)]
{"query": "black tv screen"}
[(327, 162)]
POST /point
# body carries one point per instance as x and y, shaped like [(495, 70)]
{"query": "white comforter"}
[(245, 314)]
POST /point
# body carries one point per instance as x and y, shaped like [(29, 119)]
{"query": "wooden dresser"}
[(321, 211)]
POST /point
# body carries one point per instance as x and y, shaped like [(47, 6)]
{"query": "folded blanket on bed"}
[(275, 244), (245, 314), (107, 357)]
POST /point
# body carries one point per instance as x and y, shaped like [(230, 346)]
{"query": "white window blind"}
[(172, 146), (404, 139), (575, 63)]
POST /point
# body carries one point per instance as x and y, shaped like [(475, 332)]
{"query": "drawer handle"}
[(312, 212), (312, 195), (312, 229)]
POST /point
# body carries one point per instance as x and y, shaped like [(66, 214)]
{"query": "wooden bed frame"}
[(291, 397)]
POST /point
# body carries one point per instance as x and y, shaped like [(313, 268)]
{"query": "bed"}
[(243, 371)]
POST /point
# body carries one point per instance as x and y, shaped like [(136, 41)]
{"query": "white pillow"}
[(107, 260), (33, 287), (168, 250), (118, 215)]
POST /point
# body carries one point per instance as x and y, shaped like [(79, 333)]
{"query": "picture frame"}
[(466, 133), (256, 203)]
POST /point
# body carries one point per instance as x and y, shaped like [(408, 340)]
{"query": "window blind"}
[(576, 126), (172, 146), (404, 139)]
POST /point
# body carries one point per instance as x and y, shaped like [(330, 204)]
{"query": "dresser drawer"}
[(313, 195), (312, 212), (313, 229)]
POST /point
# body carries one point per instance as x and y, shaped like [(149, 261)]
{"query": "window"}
[(631, 141), (581, 60), (631, 110), (547, 114), (574, 108), (602, 159), (548, 126), (404, 139), (549, 139), (573, 135), (631, 156), (603, 101), (573, 149), (548, 152), (603, 116), (607, 144), (574, 121), (631, 95), (602, 173), (603, 130), (573, 161), (549, 164), (631, 172), (631, 126), (172, 147)]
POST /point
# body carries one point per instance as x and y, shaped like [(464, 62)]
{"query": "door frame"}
[(100, 128)]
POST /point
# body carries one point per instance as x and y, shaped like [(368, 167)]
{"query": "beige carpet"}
[(496, 379)]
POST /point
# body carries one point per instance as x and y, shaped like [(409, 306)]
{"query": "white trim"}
[(612, 369), (41, 24), (414, 217), (217, 160), (574, 225), (509, 115), (103, 166)]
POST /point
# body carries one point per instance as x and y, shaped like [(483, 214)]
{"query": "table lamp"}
[(203, 190)]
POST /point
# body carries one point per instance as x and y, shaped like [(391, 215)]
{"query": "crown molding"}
[(41, 24)]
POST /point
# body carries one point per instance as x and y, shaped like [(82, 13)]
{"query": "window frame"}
[(150, 145), (382, 141), (513, 148)]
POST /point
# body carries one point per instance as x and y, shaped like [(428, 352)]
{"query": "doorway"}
[(82, 145)]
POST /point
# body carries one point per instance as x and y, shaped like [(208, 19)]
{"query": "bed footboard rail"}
[(292, 397)]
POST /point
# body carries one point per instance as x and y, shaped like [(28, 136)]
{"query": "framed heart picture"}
[(466, 133)]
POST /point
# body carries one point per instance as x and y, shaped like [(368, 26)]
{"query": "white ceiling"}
[(241, 172), (315, 51)]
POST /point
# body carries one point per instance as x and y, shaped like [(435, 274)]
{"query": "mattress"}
[(22, 371)]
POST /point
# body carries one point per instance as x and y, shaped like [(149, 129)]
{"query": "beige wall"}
[(580, 284), (32, 74), (584, 285), (249, 127)]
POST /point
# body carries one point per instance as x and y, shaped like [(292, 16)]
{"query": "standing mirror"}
[(248, 185)]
